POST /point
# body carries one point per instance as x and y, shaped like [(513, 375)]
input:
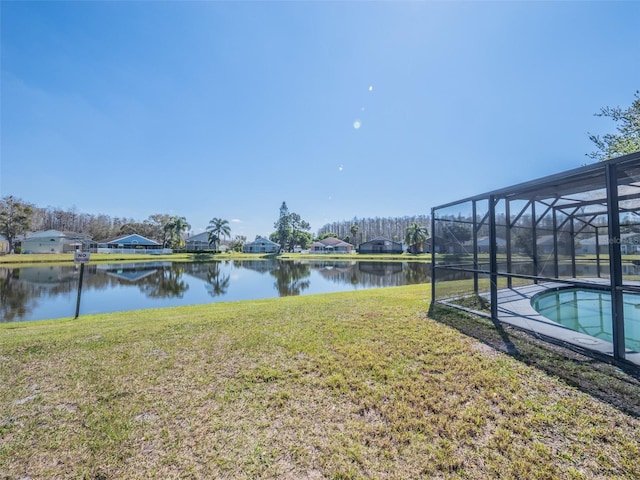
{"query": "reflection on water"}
[(41, 292), (292, 278)]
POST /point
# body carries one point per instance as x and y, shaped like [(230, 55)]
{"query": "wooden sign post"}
[(81, 258)]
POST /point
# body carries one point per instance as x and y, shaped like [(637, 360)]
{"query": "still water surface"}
[(589, 311), (45, 292)]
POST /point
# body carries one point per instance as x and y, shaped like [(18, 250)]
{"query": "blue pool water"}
[(589, 312)]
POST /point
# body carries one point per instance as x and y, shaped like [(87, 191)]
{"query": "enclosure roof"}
[(580, 187)]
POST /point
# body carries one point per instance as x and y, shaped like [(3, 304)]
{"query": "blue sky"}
[(341, 109)]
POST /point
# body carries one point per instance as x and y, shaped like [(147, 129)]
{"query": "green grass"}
[(360, 384), (14, 261), (62, 258)]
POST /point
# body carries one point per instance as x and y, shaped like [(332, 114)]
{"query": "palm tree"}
[(218, 228), (354, 230), (173, 231), (416, 235)]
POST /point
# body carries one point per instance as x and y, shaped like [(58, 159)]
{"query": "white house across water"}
[(51, 241)]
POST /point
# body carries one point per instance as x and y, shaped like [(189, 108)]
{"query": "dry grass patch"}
[(350, 385)]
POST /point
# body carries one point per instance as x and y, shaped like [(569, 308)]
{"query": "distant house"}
[(133, 243), (591, 244), (261, 245), (546, 244), (437, 244), (198, 242), (448, 245), (4, 245), (330, 245), (484, 244), (52, 241), (380, 245), (629, 244)]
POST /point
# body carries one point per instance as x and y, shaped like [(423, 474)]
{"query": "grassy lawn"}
[(15, 261), (62, 258), (348, 385)]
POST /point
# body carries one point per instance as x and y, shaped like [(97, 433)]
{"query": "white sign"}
[(80, 257)]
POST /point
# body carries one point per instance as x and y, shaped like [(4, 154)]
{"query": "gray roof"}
[(200, 237), (604, 239), (262, 241), (134, 238), (46, 234)]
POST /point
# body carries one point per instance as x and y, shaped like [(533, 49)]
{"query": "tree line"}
[(360, 230), (292, 231), (18, 218)]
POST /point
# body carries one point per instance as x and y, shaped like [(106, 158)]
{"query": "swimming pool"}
[(589, 312)]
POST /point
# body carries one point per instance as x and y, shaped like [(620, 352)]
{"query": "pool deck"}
[(514, 308)]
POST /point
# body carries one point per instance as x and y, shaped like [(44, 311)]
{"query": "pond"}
[(47, 292)]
